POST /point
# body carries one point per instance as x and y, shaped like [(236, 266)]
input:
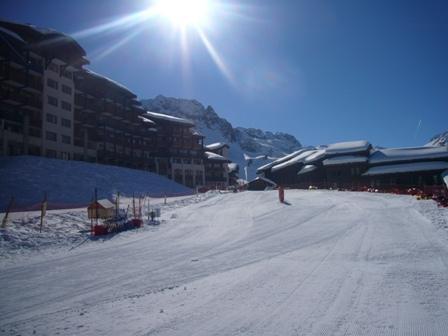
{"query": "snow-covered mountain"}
[(248, 146), (439, 140)]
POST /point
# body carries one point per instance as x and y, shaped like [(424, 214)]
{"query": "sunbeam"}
[(215, 56)]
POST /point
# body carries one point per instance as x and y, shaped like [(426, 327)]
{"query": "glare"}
[(183, 13)]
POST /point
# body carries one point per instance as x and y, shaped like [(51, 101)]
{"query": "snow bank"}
[(71, 183)]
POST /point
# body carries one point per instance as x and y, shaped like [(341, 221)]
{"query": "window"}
[(52, 100), (66, 139), (66, 89), (65, 156), (67, 74), (51, 118), (50, 153), (66, 106), (51, 136), (54, 67), (52, 83), (66, 123)]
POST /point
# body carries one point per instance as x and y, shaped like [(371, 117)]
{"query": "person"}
[(281, 194)]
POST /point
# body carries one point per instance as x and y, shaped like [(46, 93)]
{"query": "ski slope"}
[(330, 263)]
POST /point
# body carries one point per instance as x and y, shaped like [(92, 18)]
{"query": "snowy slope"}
[(258, 145), (72, 183), (330, 263), (439, 140)]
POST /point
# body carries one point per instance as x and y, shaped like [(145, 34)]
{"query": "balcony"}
[(20, 79)]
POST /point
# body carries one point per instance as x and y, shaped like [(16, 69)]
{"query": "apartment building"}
[(52, 105)]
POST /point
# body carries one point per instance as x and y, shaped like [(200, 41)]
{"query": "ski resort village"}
[(121, 215)]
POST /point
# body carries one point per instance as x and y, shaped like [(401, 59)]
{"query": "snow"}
[(146, 120), (215, 157), (329, 263), (233, 167), (348, 147), (105, 203), (216, 145), (344, 159), (284, 159), (297, 159), (408, 154), (407, 168), (169, 118), (307, 169), (11, 34), (109, 80), (72, 183), (317, 155)]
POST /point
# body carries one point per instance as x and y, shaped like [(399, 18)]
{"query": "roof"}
[(105, 203), (233, 167), (344, 159), (109, 81), (166, 117), (216, 145), (317, 155), (297, 159), (215, 157), (48, 40), (283, 159), (408, 154), (146, 120), (348, 147), (264, 179), (307, 169), (407, 168)]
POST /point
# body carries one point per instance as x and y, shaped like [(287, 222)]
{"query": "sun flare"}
[(184, 13)]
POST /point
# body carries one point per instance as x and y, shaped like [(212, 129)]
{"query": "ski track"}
[(331, 263)]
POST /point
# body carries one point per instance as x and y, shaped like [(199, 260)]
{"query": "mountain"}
[(248, 146), (439, 140)]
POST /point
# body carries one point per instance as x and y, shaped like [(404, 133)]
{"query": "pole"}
[(8, 209), (43, 211)]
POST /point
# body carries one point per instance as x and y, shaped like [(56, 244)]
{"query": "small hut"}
[(261, 183), (102, 209)]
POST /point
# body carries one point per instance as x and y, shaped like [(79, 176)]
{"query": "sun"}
[(184, 13)]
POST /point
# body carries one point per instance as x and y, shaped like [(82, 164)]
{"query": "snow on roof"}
[(110, 81), (262, 178), (214, 156), (307, 169), (445, 177), (318, 154), (12, 34), (146, 120), (196, 133), (233, 167), (105, 203), (167, 117), (408, 154), (283, 159), (407, 168), (297, 159), (348, 147), (216, 145), (344, 159)]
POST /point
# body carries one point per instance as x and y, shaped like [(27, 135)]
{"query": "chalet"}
[(261, 183), (356, 164)]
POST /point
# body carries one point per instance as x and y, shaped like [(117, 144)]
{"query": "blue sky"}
[(322, 70)]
